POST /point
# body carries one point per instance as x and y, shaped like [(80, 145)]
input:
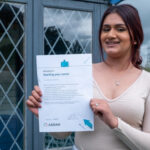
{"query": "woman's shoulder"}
[(146, 74), (146, 78)]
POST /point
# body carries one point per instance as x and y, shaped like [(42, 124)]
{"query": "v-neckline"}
[(124, 92)]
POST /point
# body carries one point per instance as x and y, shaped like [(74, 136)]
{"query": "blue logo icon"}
[(88, 123), (64, 63)]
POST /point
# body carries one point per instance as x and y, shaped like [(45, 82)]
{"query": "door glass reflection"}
[(67, 32)]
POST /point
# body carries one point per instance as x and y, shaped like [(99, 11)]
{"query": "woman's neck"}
[(118, 65)]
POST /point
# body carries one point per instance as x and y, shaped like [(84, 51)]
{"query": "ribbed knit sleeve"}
[(136, 139)]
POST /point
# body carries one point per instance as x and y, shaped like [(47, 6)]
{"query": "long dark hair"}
[(130, 16)]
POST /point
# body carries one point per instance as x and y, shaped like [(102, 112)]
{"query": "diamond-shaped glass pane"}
[(76, 47), (15, 93), (6, 78), (14, 125), (5, 140), (6, 46), (6, 110), (6, 15), (60, 47), (66, 32), (11, 76), (15, 62), (15, 31), (51, 35)]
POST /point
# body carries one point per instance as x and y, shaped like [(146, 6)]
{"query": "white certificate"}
[(66, 85)]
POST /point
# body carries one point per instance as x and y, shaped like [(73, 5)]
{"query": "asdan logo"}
[(64, 63), (51, 124)]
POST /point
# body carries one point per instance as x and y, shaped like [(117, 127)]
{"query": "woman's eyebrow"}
[(120, 24)]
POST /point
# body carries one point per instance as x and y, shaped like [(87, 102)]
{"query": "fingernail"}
[(40, 93)]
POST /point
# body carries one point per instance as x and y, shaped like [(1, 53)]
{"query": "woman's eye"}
[(121, 29), (106, 29)]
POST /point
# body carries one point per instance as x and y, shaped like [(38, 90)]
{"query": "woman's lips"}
[(112, 43)]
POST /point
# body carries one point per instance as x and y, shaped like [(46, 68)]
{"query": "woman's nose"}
[(112, 33)]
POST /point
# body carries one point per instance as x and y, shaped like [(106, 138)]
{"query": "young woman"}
[(121, 100)]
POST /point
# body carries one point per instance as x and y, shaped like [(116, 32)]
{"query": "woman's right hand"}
[(34, 100)]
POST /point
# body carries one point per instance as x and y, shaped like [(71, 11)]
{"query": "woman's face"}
[(115, 37)]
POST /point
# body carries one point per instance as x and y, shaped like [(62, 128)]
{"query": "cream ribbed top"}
[(133, 110)]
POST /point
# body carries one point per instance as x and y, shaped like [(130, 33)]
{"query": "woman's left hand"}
[(102, 109)]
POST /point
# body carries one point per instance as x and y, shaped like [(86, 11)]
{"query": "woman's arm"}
[(134, 138)]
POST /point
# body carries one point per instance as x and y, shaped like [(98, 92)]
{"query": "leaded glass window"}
[(11, 76)]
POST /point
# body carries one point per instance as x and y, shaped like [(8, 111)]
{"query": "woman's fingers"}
[(34, 101), (102, 109), (99, 107), (38, 90), (32, 107), (29, 103), (36, 96), (95, 103), (94, 106)]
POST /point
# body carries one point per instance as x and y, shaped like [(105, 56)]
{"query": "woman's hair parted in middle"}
[(130, 16)]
